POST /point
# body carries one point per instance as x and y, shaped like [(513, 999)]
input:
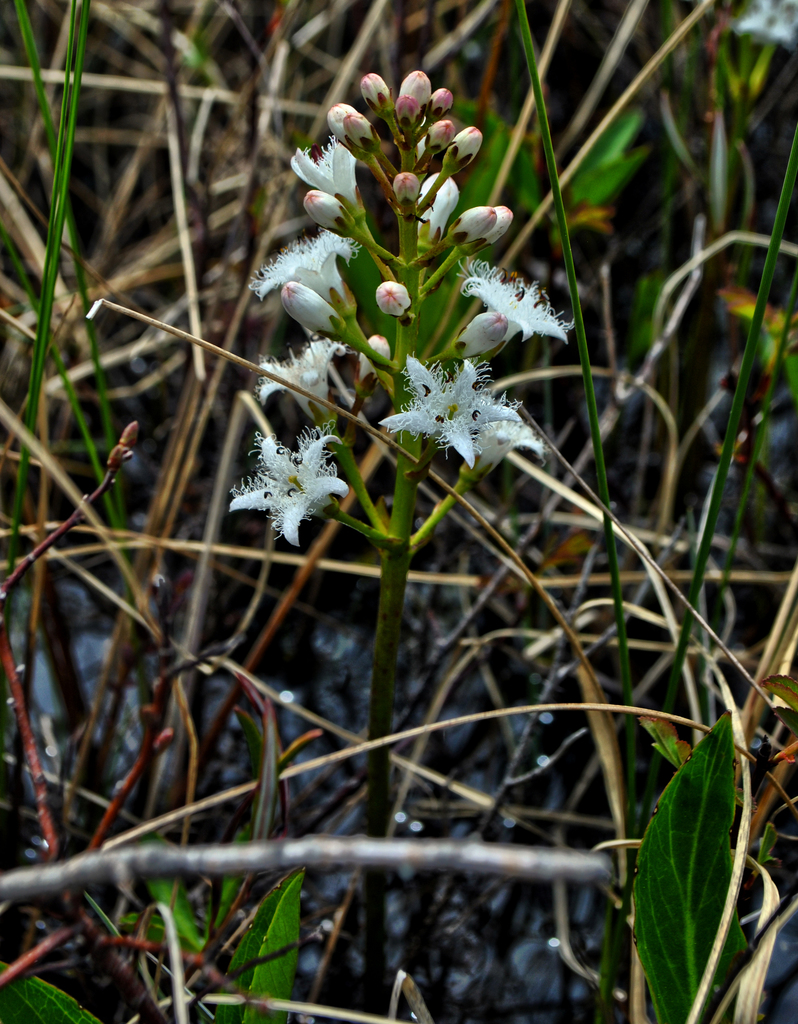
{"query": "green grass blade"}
[(592, 409)]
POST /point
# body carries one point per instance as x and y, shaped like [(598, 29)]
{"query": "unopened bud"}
[(380, 345), (376, 93), (484, 333), (406, 188), (335, 119), (440, 103), (393, 298), (130, 435), (418, 86), (162, 740), (308, 307), (408, 112), (325, 210), (504, 218), (462, 151), (360, 132), (473, 226), (440, 136)]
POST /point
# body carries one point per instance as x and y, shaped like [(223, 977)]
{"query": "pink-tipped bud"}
[(504, 218), (462, 151), (440, 103), (335, 119), (440, 136), (325, 210), (406, 188), (393, 298), (376, 93), (308, 307), (473, 226), (408, 112), (484, 333), (418, 86), (380, 345), (360, 133)]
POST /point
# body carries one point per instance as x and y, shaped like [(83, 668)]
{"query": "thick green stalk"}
[(592, 409), (716, 497)]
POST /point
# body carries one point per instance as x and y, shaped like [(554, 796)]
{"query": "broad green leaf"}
[(264, 935), (666, 740), (276, 977), (683, 873), (31, 1001)]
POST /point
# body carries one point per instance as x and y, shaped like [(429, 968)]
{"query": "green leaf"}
[(666, 740), (161, 891), (276, 924), (786, 689), (639, 338), (253, 737), (601, 185), (31, 1001), (683, 874), (615, 140), (766, 844)]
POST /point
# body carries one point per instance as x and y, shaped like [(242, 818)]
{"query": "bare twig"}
[(124, 866)]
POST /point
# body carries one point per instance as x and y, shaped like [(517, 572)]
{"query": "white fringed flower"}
[(527, 308), (499, 439), (309, 370), (291, 486), (330, 170), (770, 21), (310, 261), (451, 408)]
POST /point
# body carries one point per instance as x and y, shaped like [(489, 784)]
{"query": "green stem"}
[(716, 497), (377, 537), (592, 410), (347, 461)]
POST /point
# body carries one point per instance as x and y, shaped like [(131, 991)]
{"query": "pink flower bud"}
[(376, 93), (380, 345), (406, 188), (473, 226), (335, 119), (440, 136), (484, 333), (462, 151), (440, 103), (393, 298), (308, 307), (325, 210), (360, 133), (408, 112), (418, 86), (504, 218)]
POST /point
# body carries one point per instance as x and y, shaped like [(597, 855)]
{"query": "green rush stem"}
[(19, 266), (724, 462), (759, 440), (393, 580), (592, 411)]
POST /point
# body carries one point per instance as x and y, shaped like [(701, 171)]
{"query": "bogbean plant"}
[(440, 404)]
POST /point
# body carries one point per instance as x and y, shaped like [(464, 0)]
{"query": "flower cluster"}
[(443, 398)]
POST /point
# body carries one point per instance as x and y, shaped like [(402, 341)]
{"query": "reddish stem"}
[(29, 745), (34, 955)]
